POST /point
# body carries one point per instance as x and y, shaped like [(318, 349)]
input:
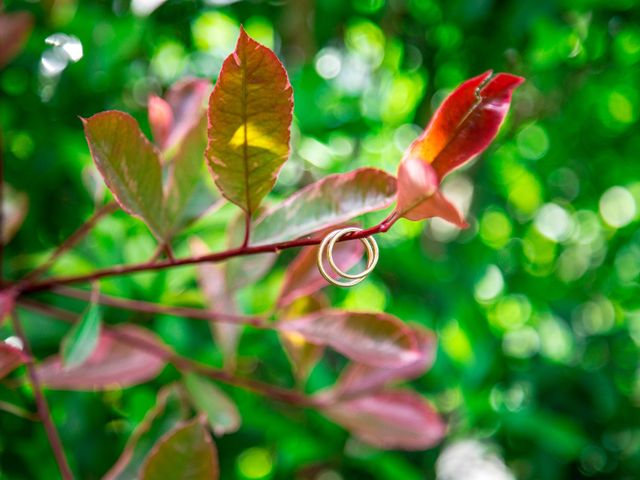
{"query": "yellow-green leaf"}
[(250, 113)]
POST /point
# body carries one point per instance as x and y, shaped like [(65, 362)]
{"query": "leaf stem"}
[(41, 403), (155, 308), (28, 287)]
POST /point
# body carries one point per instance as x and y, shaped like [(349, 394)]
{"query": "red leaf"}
[(211, 277), (160, 119), (15, 29), (393, 419), (172, 118), (377, 339), (357, 378), (462, 127), (303, 278), (10, 358), (250, 112), (114, 363), (7, 303), (331, 201)]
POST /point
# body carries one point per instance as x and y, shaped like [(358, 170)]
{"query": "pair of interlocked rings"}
[(326, 250)]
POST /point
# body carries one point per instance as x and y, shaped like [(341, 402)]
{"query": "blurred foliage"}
[(535, 306)]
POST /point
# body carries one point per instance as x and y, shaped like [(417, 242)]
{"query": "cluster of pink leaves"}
[(243, 137)]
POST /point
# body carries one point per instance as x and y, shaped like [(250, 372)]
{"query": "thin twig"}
[(117, 270), (182, 363), (41, 403), (155, 308), (72, 240), (19, 411), (247, 229), (1, 208)]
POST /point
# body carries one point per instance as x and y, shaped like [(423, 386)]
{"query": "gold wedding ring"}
[(326, 250)]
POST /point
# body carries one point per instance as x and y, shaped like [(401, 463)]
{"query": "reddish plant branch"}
[(27, 287), (183, 363), (155, 308), (72, 240), (41, 403)]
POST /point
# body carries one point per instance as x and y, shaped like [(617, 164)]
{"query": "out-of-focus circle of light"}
[(255, 463), (328, 63), (490, 285), (554, 222), (617, 207)]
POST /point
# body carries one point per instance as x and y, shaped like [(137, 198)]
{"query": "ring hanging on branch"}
[(326, 250)]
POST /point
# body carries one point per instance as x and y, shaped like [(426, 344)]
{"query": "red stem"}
[(183, 363), (155, 308), (41, 403), (27, 287)]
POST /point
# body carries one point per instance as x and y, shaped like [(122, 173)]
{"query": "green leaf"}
[(220, 410), (250, 112), (129, 164), (331, 201), (185, 453), (82, 339)]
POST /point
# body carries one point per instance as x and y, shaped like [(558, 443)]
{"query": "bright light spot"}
[(355, 75), (367, 40), (366, 296), (595, 317), (574, 262), (495, 229), (260, 29), (621, 108), (315, 152), (169, 61), (627, 263), (533, 142), (14, 342), (142, 8), (522, 343), (617, 207), (511, 312), (215, 32), (490, 285), (53, 62), (556, 340), (328, 63), (69, 44), (554, 222), (471, 460), (255, 463)]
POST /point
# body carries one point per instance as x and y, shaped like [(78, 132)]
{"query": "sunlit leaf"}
[(250, 113), (113, 364), (463, 126), (221, 412), (129, 164), (185, 453), (377, 339), (15, 29), (83, 337), (331, 201), (393, 419), (10, 358)]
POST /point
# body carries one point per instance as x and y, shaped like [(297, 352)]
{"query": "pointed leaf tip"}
[(250, 113)]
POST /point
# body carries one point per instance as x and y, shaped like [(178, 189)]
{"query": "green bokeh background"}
[(535, 306)]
